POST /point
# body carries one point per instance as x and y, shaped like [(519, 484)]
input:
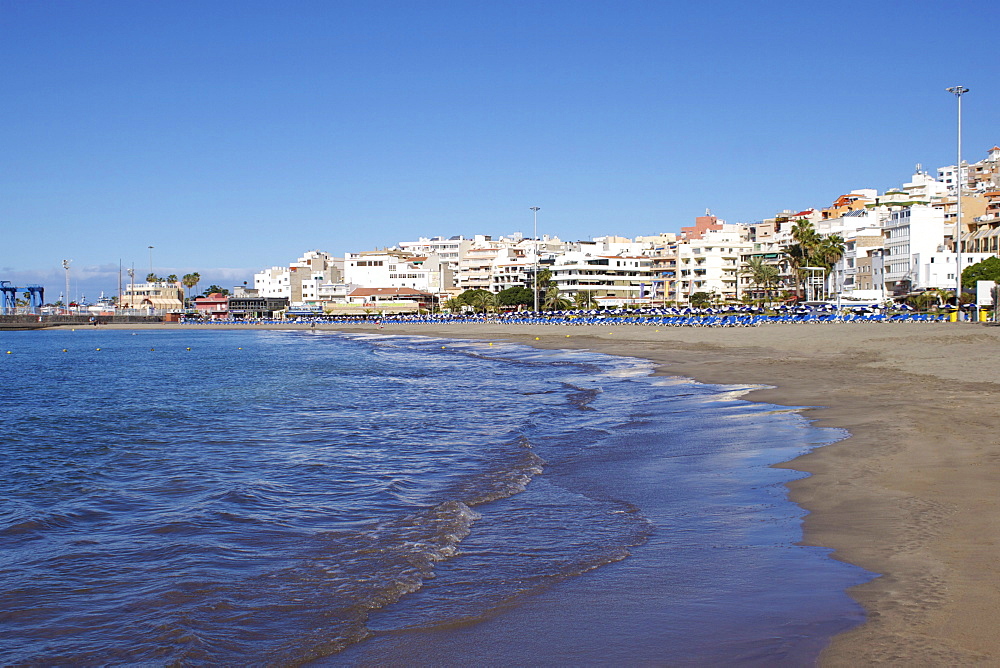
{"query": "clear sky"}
[(235, 135)]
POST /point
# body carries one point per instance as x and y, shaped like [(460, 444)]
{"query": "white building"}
[(911, 233), (509, 261), (860, 274), (603, 278), (916, 254), (300, 281), (450, 250), (397, 269), (711, 263)]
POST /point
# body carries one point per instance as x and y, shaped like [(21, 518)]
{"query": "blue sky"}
[(233, 136)]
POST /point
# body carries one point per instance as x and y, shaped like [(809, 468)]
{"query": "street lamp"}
[(65, 264), (131, 291), (958, 91), (534, 210)]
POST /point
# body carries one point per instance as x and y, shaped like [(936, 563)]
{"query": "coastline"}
[(910, 495)]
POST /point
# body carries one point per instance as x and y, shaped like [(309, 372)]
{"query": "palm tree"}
[(828, 252), (762, 275), (172, 278), (942, 295), (191, 280), (924, 300), (554, 301), (485, 301), (800, 253), (813, 250)]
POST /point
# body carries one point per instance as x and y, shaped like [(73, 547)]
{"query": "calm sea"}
[(271, 497)]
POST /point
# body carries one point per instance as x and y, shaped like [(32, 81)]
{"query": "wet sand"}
[(911, 495)]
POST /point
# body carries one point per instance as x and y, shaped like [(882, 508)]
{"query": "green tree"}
[(700, 299), (484, 301), (762, 275), (554, 301), (214, 288), (191, 280), (474, 298), (812, 250), (172, 278), (987, 270), (828, 251), (583, 299), (544, 279), (942, 295), (516, 296)]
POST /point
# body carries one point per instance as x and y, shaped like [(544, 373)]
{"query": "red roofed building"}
[(215, 306), (393, 300)]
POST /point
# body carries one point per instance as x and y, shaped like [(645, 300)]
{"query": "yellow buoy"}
[(152, 350), (187, 349), (64, 350), (98, 348), (8, 352)]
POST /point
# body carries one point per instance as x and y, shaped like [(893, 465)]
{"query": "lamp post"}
[(534, 210), (65, 264), (958, 91), (131, 291)]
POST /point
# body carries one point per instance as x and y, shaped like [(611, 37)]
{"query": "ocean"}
[(302, 497)]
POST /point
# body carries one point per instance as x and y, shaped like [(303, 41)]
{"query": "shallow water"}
[(285, 497)]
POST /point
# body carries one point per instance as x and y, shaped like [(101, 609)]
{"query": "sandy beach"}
[(911, 495)]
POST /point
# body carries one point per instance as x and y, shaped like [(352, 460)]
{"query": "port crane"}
[(36, 297)]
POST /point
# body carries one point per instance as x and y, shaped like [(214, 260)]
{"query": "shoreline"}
[(910, 495)]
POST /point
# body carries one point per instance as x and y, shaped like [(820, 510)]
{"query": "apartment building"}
[(603, 279), (985, 238), (712, 263), (158, 296), (449, 250), (302, 280), (976, 177), (397, 269)]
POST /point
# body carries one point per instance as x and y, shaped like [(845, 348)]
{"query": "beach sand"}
[(911, 495)]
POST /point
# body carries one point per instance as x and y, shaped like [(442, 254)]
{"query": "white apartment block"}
[(397, 269), (916, 255), (911, 232), (301, 280), (449, 250), (711, 264), (860, 274), (497, 264), (976, 177), (604, 278)]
